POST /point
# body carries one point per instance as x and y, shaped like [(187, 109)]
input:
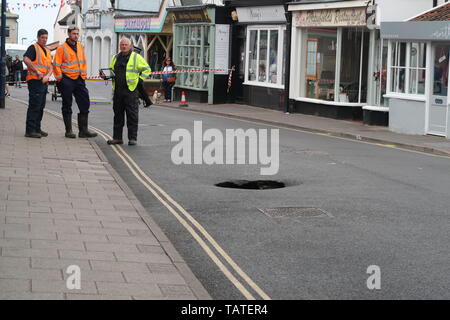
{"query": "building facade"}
[(150, 29), (12, 28), (417, 73), (202, 44), (259, 50), (69, 13), (98, 37), (338, 57)]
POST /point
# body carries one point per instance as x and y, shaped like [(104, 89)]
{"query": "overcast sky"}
[(30, 21)]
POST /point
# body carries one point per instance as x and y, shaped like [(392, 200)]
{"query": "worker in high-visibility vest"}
[(70, 69), (128, 67), (39, 62)]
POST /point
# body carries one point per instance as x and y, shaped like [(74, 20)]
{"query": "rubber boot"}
[(83, 126), (68, 123)]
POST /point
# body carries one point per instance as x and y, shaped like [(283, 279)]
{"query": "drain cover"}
[(294, 212)]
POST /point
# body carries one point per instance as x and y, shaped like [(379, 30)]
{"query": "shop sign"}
[(261, 14), (138, 24), (222, 50), (92, 20), (193, 16), (416, 30), (331, 17)]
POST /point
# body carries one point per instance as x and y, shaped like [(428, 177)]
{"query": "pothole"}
[(252, 185)]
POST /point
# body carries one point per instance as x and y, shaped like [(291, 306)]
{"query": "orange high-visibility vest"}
[(42, 63), (69, 63)]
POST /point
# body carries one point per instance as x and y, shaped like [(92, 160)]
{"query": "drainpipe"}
[(287, 76)]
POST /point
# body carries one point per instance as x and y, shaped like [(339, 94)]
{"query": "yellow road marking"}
[(200, 228), (140, 175)]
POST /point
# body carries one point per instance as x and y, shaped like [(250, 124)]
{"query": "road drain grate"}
[(294, 212)]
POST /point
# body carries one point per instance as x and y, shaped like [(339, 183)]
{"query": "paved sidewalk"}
[(61, 204), (340, 128)]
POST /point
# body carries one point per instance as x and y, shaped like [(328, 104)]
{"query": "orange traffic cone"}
[(183, 102)]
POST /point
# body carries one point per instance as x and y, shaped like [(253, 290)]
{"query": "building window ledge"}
[(263, 84), (331, 103), (411, 97)]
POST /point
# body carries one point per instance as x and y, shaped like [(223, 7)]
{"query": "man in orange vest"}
[(70, 69), (39, 61)]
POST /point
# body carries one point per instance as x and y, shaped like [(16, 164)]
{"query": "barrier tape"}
[(151, 73), (174, 71)]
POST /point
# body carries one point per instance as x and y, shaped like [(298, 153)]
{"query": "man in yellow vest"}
[(39, 62), (70, 69), (128, 66)]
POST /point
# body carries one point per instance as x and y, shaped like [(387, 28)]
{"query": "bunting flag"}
[(17, 6)]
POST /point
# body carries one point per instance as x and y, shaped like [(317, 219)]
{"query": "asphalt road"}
[(386, 207)]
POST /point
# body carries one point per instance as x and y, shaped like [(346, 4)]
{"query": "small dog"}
[(156, 98)]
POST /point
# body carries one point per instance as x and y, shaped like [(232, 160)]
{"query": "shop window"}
[(193, 52), (321, 63), (265, 55), (354, 65), (408, 67)]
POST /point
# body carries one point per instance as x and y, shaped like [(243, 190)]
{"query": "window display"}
[(266, 53), (193, 53), (321, 63), (408, 66)]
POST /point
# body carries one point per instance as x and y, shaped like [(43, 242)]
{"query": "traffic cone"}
[(183, 102)]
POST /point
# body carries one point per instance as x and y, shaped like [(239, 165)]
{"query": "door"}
[(439, 90)]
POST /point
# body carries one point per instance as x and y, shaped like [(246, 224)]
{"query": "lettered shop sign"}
[(331, 17)]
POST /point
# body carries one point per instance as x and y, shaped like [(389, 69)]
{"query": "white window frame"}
[(396, 44), (268, 28), (337, 83)]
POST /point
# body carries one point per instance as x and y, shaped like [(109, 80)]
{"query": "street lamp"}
[(3, 57)]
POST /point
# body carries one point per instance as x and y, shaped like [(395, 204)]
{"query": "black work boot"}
[(67, 117), (115, 141), (35, 135), (83, 127)]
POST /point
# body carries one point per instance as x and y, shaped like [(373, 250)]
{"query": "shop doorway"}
[(438, 110), (238, 60)]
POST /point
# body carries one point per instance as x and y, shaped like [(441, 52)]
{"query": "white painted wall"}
[(399, 10)]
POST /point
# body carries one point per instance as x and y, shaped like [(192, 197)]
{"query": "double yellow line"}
[(198, 232)]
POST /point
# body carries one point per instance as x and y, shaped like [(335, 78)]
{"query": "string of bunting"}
[(14, 6)]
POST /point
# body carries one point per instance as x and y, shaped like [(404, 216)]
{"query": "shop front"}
[(151, 33), (418, 69), (259, 53), (201, 44), (336, 66)]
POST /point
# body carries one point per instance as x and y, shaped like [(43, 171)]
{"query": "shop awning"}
[(432, 25)]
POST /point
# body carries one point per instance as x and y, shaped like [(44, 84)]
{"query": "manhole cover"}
[(251, 185), (294, 212)]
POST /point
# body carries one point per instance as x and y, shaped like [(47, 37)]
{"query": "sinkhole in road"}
[(251, 185)]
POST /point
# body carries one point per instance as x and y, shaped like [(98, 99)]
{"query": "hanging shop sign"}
[(261, 14), (192, 16), (92, 20), (331, 17), (222, 52)]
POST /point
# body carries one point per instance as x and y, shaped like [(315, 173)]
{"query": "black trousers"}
[(74, 88), (36, 104), (126, 103), (167, 86), (142, 93)]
